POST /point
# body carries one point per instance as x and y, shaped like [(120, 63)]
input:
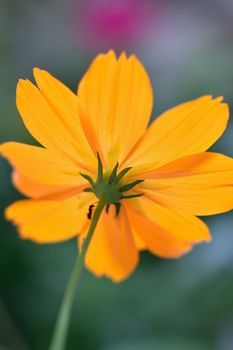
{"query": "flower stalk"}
[(58, 341)]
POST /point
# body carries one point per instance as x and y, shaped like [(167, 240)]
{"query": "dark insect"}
[(90, 211)]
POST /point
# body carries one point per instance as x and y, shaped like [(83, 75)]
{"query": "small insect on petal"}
[(90, 211)]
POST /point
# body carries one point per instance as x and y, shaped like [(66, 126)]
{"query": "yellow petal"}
[(52, 118), (49, 221), (38, 172), (33, 189), (115, 100), (207, 168), (200, 184), (166, 233), (202, 202), (189, 128), (140, 244), (112, 251)]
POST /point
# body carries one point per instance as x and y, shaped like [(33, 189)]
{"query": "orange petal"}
[(115, 100), (51, 116), (112, 251), (166, 233), (38, 172), (49, 221), (189, 128), (200, 184)]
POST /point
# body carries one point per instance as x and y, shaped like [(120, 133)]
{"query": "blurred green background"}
[(186, 304)]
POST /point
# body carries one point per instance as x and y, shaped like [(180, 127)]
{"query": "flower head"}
[(156, 180)]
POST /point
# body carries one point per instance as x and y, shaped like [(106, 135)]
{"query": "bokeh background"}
[(186, 304)]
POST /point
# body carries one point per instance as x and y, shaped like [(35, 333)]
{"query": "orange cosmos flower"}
[(160, 176)]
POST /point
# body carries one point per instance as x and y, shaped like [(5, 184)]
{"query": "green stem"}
[(60, 331)]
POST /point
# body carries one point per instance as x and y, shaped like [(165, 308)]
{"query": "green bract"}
[(109, 187)]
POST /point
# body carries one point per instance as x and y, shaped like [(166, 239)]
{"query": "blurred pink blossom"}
[(113, 23)]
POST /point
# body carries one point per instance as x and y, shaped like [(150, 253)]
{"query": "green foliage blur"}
[(186, 304)]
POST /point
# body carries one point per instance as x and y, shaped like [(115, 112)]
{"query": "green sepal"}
[(118, 208), (88, 189), (122, 173), (132, 196), (88, 178), (107, 208), (113, 174), (100, 168), (128, 187), (117, 205)]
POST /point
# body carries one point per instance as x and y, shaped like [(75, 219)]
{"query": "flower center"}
[(109, 187)]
